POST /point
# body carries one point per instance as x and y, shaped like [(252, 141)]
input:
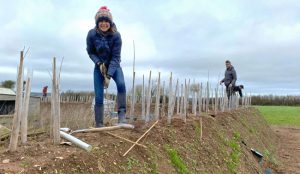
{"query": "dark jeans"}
[(229, 91), (118, 77)]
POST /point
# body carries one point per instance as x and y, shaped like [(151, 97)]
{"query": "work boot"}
[(99, 112), (121, 108)]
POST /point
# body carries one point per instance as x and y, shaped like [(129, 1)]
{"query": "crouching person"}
[(104, 49)]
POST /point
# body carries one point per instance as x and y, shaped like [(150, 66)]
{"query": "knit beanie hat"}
[(103, 14)]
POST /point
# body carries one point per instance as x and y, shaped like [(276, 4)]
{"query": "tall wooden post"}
[(132, 98), (181, 100), (195, 97), (216, 100), (25, 107), (164, 100), (170, 99), (200, 99), (207, 97), (148, 99), (174, 96), (55, 104), (13, 144), (143, 99), (185, 101), (188, 96), (178, 100), (157, 98), (204, 100)]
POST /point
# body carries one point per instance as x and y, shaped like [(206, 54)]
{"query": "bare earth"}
[(289, 148)]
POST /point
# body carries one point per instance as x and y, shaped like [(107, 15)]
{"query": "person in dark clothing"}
[(229, 79), (238, 89), (45, 90), (104, 49)]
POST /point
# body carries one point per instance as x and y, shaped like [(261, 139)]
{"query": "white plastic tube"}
[(76, 141)]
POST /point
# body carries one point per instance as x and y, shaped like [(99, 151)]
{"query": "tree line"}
[(287, 100), (8, 84)]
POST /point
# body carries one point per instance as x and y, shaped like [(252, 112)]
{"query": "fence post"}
[(143, 98), (132, 99), (185, 101), (13, 144), (178, 99), (164, 101), (25, 107), (181, 100), (174, 98), (157, 98), (55, 103), (188, 96), (148, 99), (200, 99), (170, 100), (207, 97)]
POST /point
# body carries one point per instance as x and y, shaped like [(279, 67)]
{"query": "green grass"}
[(281, 115), (233, 160), (176, 160)]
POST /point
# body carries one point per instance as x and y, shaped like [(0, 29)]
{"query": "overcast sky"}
[(191, 38)]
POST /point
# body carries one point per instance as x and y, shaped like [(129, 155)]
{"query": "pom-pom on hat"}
[(103, 14)]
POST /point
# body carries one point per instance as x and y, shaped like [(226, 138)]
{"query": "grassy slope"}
[(281, 115)]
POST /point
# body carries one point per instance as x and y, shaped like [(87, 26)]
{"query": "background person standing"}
[(229, 79), (45, 90)]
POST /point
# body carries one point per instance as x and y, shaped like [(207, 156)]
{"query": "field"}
[(285, 121), (281, 115)]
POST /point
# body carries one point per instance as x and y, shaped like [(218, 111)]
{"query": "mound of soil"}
[(225, 147)]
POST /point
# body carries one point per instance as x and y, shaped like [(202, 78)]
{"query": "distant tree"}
[(8, 84)]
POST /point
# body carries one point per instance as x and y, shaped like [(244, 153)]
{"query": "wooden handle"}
[(140, 138)]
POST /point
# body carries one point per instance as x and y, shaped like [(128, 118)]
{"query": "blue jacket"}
[(104, 49)]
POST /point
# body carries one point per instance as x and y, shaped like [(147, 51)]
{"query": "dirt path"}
[(289, 149)]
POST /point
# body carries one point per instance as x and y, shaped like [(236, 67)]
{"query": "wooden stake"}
[(143, 99), (148, 99), (25, 108), (13, 144), (140, 138), (117, 136), (207, 97), (188, 96), (174, 98), (185, 101), (55, 108), (157, 98), (170, 100), (181, 101), (200, 99), (164, 100), (178, 98), (132, 99)]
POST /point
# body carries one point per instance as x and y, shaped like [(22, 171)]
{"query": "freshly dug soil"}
[(225, 147)]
